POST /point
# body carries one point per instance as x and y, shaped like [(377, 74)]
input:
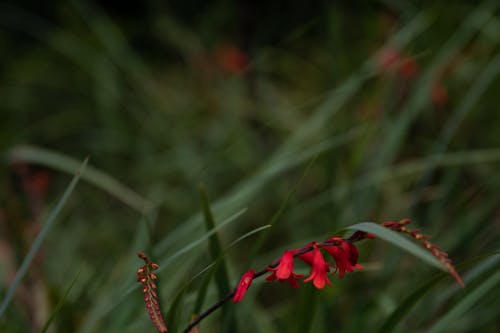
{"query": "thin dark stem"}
[(356, 237), (208, 311)]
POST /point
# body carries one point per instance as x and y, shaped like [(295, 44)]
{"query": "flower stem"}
[(208, 311)]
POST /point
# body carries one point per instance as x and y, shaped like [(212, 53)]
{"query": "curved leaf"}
[(58, 161), (399, 241)]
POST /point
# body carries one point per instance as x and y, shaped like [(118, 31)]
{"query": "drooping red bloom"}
[(243, 285), (306, 257), (345, 255), (319, 270), (284, 270), (352, 254)]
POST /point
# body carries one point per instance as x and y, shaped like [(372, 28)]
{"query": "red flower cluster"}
[(343, 252), (147, 278), (344, 259), (393, 60)]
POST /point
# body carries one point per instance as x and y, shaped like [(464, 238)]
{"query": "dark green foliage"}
[(287, 112)]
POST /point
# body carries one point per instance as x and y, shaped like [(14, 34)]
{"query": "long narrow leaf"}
[(201, 239), (221, 275), (204, 286), (60, 304), (40, 238), (466, 302), (174, 313), (202, 290), (398, 240), (405, 307), (482, 264), (264, 236), (94, 176)]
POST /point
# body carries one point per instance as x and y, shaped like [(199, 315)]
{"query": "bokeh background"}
[(307, 116)]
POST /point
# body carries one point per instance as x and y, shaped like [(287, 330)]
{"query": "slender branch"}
[(208, 311)]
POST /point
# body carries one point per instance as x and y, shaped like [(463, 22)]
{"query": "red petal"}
[(243, 285)]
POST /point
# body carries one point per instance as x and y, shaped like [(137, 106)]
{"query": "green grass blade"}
[(250, 233), (305, 310), (172, 318), (60, 304), (201, 239), (407, 169), (202, 290), (221, 275), (399, 241), (48, 158), (470, 298), (40, 238), (204, 286), (263, 237), (482, 264), (405, 307)]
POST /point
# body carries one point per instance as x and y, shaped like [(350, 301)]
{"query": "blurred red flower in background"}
[(231, 59), (393, 60)]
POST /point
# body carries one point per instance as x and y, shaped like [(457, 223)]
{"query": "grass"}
[(315, 137)]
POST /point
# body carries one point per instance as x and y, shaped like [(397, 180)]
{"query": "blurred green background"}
[(310, 116)]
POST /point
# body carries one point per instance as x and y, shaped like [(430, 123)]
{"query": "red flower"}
[(392, 60), (284, 270), (319, 269), (388, 58), (408, 68), (307, 258), (231, 59), (243, 285), (345, 255), (439, 95)]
